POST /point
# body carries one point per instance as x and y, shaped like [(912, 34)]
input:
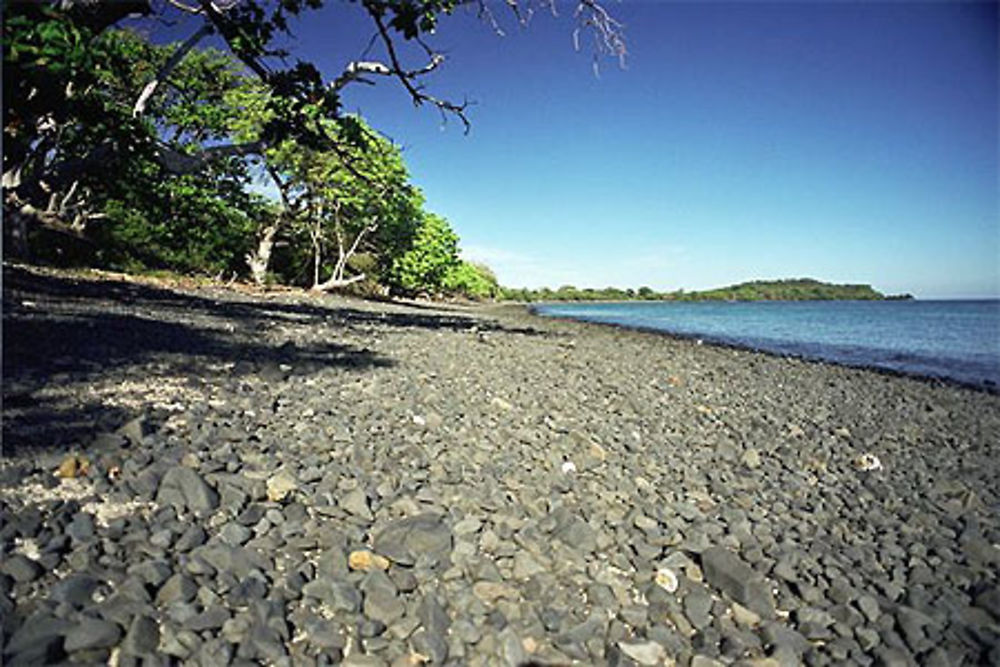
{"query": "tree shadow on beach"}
[(61, 331), (263, 308), (89, 343)]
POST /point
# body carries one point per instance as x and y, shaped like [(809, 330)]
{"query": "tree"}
[(54, 108), (136, 212), (475, 281), (426, 265), (156, 216), (53, 58), (344, 202)]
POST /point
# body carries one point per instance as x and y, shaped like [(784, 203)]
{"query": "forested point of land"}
[(799, 289)]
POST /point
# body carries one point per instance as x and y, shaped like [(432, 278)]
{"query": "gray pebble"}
[(143, 636), (404, 540), (185, 489), (21, 568), (698, 607), (90, 633), (76, 589), (728, 572)]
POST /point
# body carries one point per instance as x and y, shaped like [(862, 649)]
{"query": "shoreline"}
[(986, 386), (299, 479)]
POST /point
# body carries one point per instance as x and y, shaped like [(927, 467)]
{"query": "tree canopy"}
[(146, 154)]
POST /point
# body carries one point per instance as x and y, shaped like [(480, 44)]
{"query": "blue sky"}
[(843, 141)]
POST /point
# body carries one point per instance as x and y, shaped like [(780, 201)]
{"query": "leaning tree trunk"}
[(337, 279), (259, 259)]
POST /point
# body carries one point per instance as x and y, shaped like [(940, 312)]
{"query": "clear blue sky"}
[(841, 141)]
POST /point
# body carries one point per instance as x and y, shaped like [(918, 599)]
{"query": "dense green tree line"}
[(127, 154), (798, 289)]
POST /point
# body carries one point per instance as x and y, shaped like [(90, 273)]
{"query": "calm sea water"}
[(959, 340)]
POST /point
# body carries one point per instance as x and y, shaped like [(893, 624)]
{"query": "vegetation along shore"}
[(202, 475), (795, 289)]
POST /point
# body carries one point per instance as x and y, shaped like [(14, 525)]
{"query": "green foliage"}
[(340, 203), (571, 293), (798, 289), (470, 280), (431, 257), (121, 171), (181, 224), (775, 290), (57, 113)]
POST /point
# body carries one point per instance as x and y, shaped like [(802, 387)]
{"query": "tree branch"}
[(229, 33), (608, 32), (356, 70), (168, 67), (182, 163), (334, 283), (406, 77), (190, 9)]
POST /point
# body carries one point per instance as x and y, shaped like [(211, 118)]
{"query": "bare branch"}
[(333, 283), (486, 14), (407, 77), (609, 37), (190, 9), (356, 70), (182, 163), (168, 67)]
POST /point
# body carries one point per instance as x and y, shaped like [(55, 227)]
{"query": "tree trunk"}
[(17, 223), (258, 260), (337, 279), (334, 283), (168, 67)]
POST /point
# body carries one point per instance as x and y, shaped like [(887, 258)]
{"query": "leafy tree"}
[(340, 203), (138, 211), (432, 257), (54, 57), (58, 121), (180, 223), (797, 289), (158, 217), (471, 280)]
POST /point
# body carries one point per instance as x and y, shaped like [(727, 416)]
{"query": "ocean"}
[(956, 340)]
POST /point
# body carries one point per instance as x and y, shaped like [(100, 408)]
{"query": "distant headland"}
[(795, 289)]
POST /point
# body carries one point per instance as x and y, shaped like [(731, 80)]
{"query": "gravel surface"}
[(210, 476)]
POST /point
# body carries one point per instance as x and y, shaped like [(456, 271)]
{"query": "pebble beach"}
[(204, 475)]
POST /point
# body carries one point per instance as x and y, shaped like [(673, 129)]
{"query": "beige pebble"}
[(365, 560)]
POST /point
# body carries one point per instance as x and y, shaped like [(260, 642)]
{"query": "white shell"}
[(568, 467), (867, 462), (667, 580)]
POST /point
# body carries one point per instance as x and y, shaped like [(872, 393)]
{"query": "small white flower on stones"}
[(667, 580), (568, 467), (867, 462)]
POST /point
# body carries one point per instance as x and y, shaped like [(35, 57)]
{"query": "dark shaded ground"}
[(70, 331)]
